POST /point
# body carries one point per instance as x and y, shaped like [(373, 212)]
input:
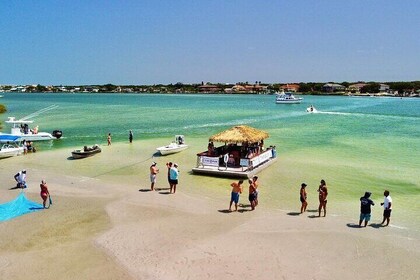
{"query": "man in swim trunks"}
[(234, 196)]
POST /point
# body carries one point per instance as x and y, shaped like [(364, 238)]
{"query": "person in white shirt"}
[(387, 204), (20, 178)]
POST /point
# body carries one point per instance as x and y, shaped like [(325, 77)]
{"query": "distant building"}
[(290, 87), (355, 88), (209, 89), (333, 87), (383, 88)]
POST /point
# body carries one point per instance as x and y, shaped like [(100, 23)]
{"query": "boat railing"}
[(217, 161)]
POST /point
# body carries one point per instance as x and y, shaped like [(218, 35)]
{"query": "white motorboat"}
[(311, 109), (287, 98), (176, 146), (10, 150), (21, 128)]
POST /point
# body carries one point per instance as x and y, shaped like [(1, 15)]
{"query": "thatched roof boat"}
[(242, 155), (240, 134)]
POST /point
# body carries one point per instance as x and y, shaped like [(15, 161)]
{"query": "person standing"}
[(234, 196), (130, 136), (173, 176), (44, 192), (252, 194), (387, 204), (323, 193), (365, 203), (109, 139), (303, 197), (169, 166), (20, 178), (153, 174), (254, 180)]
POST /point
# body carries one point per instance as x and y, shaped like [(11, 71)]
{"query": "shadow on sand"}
[(376, 225), (293, 213), (352, 225), (313, 216), (225, 211), (145, 190)]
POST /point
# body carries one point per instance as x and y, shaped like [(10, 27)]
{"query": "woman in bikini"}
[(44, 192)]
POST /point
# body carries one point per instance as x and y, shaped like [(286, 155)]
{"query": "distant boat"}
[(175, 147), (86, 152), (311, 109), (287, 98)]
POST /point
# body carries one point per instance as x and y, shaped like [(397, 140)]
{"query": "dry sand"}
[(102, 227)]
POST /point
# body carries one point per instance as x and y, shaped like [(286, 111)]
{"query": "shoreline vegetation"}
[(397, 89)]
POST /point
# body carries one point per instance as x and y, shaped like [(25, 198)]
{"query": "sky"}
[(138, 42)]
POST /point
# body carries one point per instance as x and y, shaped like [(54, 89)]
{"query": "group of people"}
[(173, 175), (322, 196), (109, 138), (28, 147), (365, 208), (20, 178), (237, 190), (365, 204)]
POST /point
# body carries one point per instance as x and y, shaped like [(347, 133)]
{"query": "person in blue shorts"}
[(365, 203), (234, 196)]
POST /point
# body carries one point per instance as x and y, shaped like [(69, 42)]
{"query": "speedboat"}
[(287, 98), (311, 109), (21, 128), (86, 152), (10, 150), (176, 146)]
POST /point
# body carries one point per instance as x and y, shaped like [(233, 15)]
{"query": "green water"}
[(355, 144)]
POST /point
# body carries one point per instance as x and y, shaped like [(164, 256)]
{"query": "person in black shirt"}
[(365, 203)]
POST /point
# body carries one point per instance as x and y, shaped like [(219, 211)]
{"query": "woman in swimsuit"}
[(44, 192), (323, 193)]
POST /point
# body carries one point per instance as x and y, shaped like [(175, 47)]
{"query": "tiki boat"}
[(242, 156)]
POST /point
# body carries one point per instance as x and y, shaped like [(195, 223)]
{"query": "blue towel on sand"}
[(18, 207)]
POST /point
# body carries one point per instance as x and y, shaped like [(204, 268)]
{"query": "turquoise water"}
[(355, 144)]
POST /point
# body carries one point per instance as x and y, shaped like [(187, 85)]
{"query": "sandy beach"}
[(105, 224)]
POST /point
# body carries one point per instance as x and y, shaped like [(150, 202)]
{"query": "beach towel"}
[(18, 207)]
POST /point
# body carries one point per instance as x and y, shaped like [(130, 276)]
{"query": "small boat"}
[(311, 109), (10, 150), (176, 146), (287, 98), (86, 152), (21, 128)]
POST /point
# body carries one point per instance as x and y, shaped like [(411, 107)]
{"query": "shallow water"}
[(355, 144)]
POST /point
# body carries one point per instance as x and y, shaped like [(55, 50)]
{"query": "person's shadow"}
[(225, 211), (293, 213), (353, 225), (145, 190), (376, 225)]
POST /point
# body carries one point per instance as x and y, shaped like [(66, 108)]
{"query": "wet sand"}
[(105, 224)]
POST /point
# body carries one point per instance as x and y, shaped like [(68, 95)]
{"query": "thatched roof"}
[(241, 133)]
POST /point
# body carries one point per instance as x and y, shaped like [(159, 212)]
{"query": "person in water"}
[(44, 192), (130, 136)]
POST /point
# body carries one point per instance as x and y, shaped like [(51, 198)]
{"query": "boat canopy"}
[(239, 134), (8, 138)]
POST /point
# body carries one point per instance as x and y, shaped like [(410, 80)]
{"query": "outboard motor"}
[(57, 134)]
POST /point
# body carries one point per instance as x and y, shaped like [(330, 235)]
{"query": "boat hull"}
[(288, 101), (41, 136), (170, 149), (77, 154), (6, 152)]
